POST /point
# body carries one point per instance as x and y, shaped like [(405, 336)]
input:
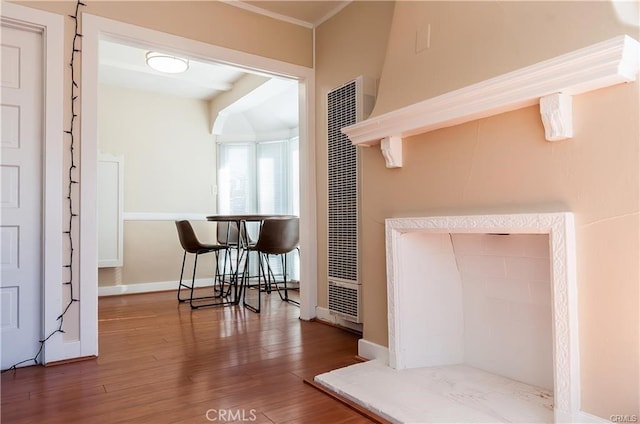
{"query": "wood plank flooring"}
[(161, 362)]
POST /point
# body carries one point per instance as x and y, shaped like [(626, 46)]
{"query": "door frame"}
[(96, 27), (52, 28)]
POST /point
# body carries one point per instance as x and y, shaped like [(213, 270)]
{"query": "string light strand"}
[(72, 180)]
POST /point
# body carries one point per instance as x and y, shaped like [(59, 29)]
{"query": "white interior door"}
[(21, 195)]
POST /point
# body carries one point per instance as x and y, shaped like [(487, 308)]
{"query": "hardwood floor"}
[(161, 362)]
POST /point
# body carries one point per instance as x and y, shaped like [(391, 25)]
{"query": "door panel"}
[(21, 198)]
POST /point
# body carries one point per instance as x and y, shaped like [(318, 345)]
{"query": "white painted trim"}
[(586, 418), (308, 208), (128, 33), (370, 350), (580, 417), (256, 9), (70, 350), (118, 260), (147, 287), (95, 27), (332, 13), (323, 314), (601, 65), (89, 190), (164, 216), (268, 13), (53, 30)]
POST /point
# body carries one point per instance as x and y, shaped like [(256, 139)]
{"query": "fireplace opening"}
[(495, 292), (483, 300)]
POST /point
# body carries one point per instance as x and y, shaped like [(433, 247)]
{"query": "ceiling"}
[(124, 66), (266, 112)]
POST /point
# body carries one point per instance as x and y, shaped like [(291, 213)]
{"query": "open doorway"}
[(205, 139), (96, 29)]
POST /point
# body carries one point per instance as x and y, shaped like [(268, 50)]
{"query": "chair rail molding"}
[(550, 83)]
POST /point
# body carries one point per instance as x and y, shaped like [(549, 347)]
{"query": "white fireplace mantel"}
[(550, 83)]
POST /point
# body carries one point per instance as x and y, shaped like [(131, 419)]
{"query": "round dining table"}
[(241, 221)]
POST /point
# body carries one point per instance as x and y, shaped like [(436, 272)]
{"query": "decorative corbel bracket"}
[(391, 148), (590, 68), (557, 116)]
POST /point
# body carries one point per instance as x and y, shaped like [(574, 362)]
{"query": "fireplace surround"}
[(423, 339), (402, 320)]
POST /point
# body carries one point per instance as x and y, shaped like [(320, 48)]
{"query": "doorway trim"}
[(95, 27), (52, 27)]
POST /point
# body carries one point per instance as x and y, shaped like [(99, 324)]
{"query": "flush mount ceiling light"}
[(166, 63)]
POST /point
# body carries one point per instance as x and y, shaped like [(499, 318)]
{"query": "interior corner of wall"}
[(373, 351)]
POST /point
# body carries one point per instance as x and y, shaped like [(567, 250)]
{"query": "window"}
[(260, 177), (236, 180)]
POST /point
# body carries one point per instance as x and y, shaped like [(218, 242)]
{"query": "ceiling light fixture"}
[(166, 63)]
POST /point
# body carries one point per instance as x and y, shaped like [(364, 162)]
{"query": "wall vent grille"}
[(343, 185), (344, 300), (346, 105)]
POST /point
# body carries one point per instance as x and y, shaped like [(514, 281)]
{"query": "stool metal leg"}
[(180, 283), (246, 281)]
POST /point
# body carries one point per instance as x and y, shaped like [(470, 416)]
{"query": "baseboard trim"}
[(70, 361), (323, 314), (64, 351), (146, 287), (586, 418), (370, 350)]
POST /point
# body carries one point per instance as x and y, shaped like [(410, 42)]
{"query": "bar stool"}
[(192, 245), (278, 236)]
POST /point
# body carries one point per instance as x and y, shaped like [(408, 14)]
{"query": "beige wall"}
[(152, 253), (504, 164), (169, 167), (350, 44), (212, 22), (475, 40)]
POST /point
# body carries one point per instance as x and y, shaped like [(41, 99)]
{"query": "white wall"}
[(479, 299), (170, 168), (168, 150), (435, 303), (507, 304)]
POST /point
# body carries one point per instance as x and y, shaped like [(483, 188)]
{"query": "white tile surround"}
[(505, 304), (506, 294)]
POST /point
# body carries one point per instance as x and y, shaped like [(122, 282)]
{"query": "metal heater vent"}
[(343, 185), (346, 105), (344, 300)]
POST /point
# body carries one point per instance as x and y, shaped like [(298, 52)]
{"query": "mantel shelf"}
[(554, 81)]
